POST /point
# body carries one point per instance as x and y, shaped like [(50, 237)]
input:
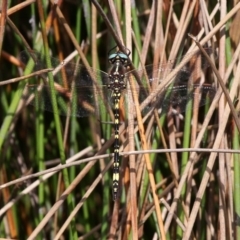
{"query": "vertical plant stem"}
[(56, 113)]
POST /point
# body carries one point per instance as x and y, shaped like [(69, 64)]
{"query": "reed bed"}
[(179, 171)]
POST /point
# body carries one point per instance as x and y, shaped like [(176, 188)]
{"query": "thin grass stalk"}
[(40, 155), (3, 19), (73, 232), (222, 175), (236, 189), (132, 160), (136, 30), (87, 13)]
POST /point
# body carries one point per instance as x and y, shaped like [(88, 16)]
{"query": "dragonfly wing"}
[(79, 91)]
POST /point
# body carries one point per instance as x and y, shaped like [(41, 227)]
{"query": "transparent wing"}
[(185, 86), (79, 91), (177, 97)]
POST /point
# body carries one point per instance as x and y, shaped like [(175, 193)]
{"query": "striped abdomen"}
[(116, 98)]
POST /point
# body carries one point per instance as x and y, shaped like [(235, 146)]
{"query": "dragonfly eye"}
[(112, 58), (119, 56)]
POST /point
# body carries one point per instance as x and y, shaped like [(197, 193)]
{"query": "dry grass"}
[(179, 173)]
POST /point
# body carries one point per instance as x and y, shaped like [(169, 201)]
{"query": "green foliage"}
[(197, 191)]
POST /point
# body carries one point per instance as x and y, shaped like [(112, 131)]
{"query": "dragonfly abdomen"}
[(116, 177)]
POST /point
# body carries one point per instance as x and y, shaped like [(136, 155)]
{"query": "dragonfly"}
[(82, 91)]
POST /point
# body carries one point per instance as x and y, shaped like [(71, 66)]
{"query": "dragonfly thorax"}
[(117, 76), (117, 82)]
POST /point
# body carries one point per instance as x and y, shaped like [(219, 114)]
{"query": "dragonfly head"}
[(119, 57)]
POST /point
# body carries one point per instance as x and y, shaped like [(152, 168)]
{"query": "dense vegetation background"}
[(172, 192)]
